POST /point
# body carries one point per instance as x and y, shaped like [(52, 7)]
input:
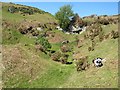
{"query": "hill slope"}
[(26, 67)]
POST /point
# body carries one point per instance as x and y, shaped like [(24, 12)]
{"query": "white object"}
[(39, 29), (98, 62)]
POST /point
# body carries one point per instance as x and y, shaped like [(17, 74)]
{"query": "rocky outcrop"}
[(76, 24)]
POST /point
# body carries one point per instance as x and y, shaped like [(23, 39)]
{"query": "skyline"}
[(60, 1), (82, 8)]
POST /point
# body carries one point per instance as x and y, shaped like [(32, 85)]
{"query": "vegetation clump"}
[(25, 10), (65, 48), (114, 34), (40, 47), (56, 56), (93, 31), (104, 21), (64, 58), (82, 63), (44, 42), (107, 36)]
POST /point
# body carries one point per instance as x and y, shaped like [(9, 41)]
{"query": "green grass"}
[(10, 36), (54, 77), (56, 46), (17, 17), (106, 76), (62, 76)]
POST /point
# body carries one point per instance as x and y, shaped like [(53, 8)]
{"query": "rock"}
[(58, 27), (39, 29)]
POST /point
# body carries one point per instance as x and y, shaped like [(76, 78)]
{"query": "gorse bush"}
[(25, 10), (82, 63), (40, 48), (65, 48), (35, 33), (13, 9), (104, 21), (64, 58), (101, 36), (44, 42), (114, 34), (94, 31), (56, 56)]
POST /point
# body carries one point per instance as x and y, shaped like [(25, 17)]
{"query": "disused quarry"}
[(48, 58)]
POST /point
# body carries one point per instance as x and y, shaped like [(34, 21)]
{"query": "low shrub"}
[(93, 43), (64, 58), (41, 48), (44, 42), (56, 56), (101, 36), (35, 33), (65, 48), (107, 36), (114, 34), (90, 48), (82, 63), (104, 21)]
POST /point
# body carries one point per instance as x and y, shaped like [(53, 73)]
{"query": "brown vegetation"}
[(56, 56), (114, 34), (82, 63)]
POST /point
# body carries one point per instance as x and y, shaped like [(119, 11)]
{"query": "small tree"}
[(63, 16)]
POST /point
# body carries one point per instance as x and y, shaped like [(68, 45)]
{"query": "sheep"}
[(98, 62)]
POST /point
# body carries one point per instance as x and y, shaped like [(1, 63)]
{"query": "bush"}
[(65, 48), (82, 63), (90, 48), (12, 9), (35, 33), (104, 21), (41, 48), (64, 58), (114, 34), (44, 42), (93, 31), (93, 43), (50, 52), (25, 10), (101, 36), (24, 28), (56, 56), (107, 36)]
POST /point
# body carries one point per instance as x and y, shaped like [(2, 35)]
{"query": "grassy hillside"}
[(26, 67), (13, 18)]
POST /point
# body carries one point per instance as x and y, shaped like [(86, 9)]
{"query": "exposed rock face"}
[(76, 24), (39, 29), (59, 28)]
